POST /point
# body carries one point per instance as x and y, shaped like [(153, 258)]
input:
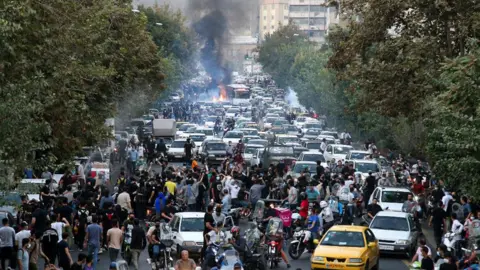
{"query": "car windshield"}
[(216, 146), (301, 119), (341, 150), (191, 130), (281, 150), (192, 225), (197, 138), (211, 119), (291, 128), (390, 223), (313, 125), (313, 146), (288, 140), (251, 150), (237, 135), (343, 239), (364, 167), (29, 188), (250, 131), (280, 122), (260, 142), (357, 155), (313, 132), (233, 110), (313, 157), (270, 120), (301, 167), (185, 127), (394, 196), (178, 144), (333, 134), (208, 132)]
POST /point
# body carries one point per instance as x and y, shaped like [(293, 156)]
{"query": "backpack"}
[(83, 216)]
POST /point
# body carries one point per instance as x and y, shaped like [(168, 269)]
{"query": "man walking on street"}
[(93, 240), (139, 242), (7, 240), (114, 241)]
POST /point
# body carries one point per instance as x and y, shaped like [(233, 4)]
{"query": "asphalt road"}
[(387, 262)]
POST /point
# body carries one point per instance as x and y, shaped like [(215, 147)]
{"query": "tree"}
[(65, 66), (454, 125)]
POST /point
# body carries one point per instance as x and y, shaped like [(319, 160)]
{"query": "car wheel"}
[(377, 265), (179, 252), (367, 267)]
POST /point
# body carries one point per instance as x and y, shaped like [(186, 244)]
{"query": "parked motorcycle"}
[(301, 241), (162, 258)]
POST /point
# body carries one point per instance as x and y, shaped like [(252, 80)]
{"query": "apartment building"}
[(311, 16), (272, 13)]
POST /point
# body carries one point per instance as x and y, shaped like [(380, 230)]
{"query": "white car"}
[(328, 139), (333, 134), (357, 154), (233, 136), (252, 153), (300, 167), (311, 133), (197, 139), (311, 125), (363, 166), (249, 131), (183, 128), (300, 121), (312, 156), (177, 150), (207, 131), (390, 198), (290, 140), (210, 121), (337, 152), (232, 112), (396, 232)]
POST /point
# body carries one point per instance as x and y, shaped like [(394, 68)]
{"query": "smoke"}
[(214, 21), (292, 98)]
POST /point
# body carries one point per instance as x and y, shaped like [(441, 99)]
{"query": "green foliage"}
[(454, 125), (65, 65)]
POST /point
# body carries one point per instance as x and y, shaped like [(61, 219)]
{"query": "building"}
[(236, 50), (273, 13), (312, 17)]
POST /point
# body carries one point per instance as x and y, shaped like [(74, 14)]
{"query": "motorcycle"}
[(274, 233), (301, 242), (254, 258), (162, 258)]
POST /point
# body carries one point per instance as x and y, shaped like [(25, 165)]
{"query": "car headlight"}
[(355, 260), (188, 243), (318, 258), (402, 242), (211, 156)]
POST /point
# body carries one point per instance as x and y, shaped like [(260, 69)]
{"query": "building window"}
[(318, 21), (264, 18), (264, 28), (298, 8), (317, 8), (285, 7), (303, 21), (264, 7), (273, 26), (285, 18), (273, 17)]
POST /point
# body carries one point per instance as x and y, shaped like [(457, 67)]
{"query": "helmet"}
[(235, 230), (323, 204)]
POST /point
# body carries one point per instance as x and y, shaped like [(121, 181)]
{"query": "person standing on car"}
[(139, 242)]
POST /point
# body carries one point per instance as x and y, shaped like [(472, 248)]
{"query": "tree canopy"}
[(65, 67)]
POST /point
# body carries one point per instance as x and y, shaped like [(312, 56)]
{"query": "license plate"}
[(383, 247), (219, 158), (333, 266)]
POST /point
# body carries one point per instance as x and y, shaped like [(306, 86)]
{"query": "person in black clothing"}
[(151, 150), (320, 169), (450, 262), (64, 258), (39, 221), (302, 182), (78, 265), (373, 208), (208, 224), (370, 183), (168, 211), (427, 262), (438, 222), (162, 148), (49, 242), (139, 242), (216, 191), (188, 147)]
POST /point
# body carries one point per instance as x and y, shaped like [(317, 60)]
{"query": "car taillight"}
[(273, 243)]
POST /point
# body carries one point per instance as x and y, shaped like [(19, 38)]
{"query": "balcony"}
[(307, 2)]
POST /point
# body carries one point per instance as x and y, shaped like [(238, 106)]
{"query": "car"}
[(396, 232), (291, 140), (247, 138), (357, 154), (11, 219), (262, 142), (276, 153), (232, 112), (346, 247), (390, 198), (311, 125), (313, 145), (11, 201), (280, 123), (187, 231), (213, 151), (291, 129), (300, 121), (337, 152), (210, 121), (177, 150), (184, 128), (252, 154), (364, 166), (268, 122), (175, 97), (249, 131), (31, 187), (197, 139), (312, 156), (300, 166), (207, 131), (233, 136), (312, 133), (333, 134), (328, 139)]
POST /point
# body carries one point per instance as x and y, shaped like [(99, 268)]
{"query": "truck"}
[(164, 129)]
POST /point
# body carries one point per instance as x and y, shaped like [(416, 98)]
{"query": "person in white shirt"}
[(323, 145), (445, 200), (22, 234), (234, 189), (457, 228), (141, 151), (292, 195), (217, 237), (59, 225), (418, 255), (123, 199)]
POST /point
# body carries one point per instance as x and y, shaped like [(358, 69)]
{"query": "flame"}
[(223, 92), (214, 99)]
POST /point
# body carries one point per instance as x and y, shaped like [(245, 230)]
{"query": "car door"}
[(413, 230), (373, 251), (175, 225), (328, 153), (374, 195)]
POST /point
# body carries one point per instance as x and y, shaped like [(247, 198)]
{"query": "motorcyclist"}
[(238, 242)]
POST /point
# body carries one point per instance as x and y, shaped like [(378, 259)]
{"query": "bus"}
[(238, 94)]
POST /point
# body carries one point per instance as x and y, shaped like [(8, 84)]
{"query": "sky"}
[(174, 3)]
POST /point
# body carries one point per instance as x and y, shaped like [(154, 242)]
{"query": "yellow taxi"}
[(347, 247)]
